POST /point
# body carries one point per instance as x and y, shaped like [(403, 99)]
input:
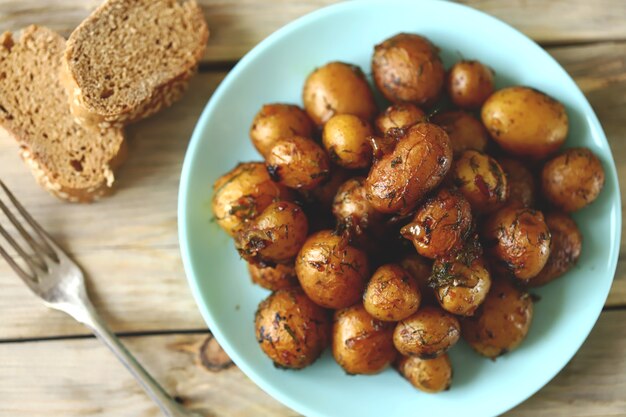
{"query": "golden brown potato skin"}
[(332, 273), (428, 375), (276, 121), (418, 164), (397, 118), (298, 162), (522, 189), (481, 180), (460, 288), (361, 344), (427, 334), (337, 88), (469, 84), (346, 139), (518, 240), (502, 322), (565, 247), (352, 209), (407, 67), (420, 269), (273, 278), (392, 294), (573, 179), (275, 236), (325, 193), (242, 193), (291, 329), (525, 122), (464, 130), (441, 225)]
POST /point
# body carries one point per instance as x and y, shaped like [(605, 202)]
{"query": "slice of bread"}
[(131, 58), (72, 162)]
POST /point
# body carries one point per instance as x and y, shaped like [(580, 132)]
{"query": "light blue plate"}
[(274, 71)]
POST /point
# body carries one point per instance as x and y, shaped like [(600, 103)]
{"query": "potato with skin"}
[(242, 193), (565, 246), (346, 139), (525, 121), (361, 344), (407, 68), (325, 193), (572, 180), (518, 240), (291, 330), (337, 88), (463, 129), (331, 272), (298, 162), (440, 225), (397, 118), (469, 84), (275, 236), (428, 375), (481, 180), (392, 294), (276, 121), (426, 334), (352, 209), (502, 322), (273, 278), (522, 189), (420, 269), (399, 180)]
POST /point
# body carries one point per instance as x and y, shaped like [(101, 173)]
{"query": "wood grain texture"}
[(55, 375)]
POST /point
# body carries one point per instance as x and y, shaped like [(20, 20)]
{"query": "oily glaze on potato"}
[(298, 162), (337, 88), (464, 130), (420, 269), (397, 118), (427, 334), (399, 180), (518, 240), (277, 121), (346, 139), (522, 189), (275, 236), (273, 277), (572, 180), (407, 68), (565, 246), (469, 84), (391, 294), (502, 322), (331, 272), (242, 193), (361, 344), (428, 375), (291, 329), (352, 209), (525, 122)]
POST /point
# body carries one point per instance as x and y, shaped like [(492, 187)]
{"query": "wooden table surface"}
[(127, 244)]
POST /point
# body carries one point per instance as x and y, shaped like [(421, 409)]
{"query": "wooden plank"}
[(238, 25), (50, 379)]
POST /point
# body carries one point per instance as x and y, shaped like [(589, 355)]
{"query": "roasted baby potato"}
[(440, 225), (331, 272), (352, 209), (460, 288), (428, 375), (275, 236), (346, 138), (277, 121), (392, 294), (298, 162), (244, 192), (291, 329), (337, 88), (407, 67), (522, 190), (361, 344), (518, 240), (469, 84), (325, 193), (427, 334), (418, 164), (565, 247), (273, 277), (481, 180), (464, 130), (502, 322), (420, 269), (396, 119), (573, 179), (525, 122)]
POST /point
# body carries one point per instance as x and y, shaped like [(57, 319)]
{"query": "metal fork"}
[(59, 282)]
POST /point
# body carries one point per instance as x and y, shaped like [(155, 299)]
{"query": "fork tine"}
[(34, 262), (18, 270)]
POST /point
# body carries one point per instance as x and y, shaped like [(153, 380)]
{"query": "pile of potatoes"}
[(391, 234)]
